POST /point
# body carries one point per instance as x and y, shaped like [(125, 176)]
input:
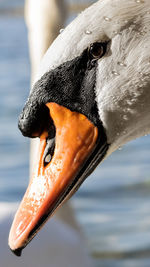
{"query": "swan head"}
[(122, 84), (93, 81)]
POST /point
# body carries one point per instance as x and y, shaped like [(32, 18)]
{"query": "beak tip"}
[(17, 252)]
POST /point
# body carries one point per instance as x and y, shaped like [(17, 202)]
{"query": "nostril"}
[(47, 158), (49, 151)]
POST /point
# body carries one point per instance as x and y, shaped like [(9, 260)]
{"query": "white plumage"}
[(123, 75)]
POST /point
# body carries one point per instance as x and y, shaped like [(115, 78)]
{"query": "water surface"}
[(113, 204)]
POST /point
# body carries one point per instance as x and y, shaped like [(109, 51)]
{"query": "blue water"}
[(113, 204)]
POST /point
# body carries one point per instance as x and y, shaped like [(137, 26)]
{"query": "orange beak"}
[(55, 176)]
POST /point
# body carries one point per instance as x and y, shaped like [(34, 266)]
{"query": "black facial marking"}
[(71, 85)]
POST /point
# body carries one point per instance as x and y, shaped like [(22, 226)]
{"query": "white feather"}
[(123, 75)]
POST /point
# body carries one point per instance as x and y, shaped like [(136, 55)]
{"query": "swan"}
[(91, 96)]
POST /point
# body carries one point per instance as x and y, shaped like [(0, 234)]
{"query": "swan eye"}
[(97, 50)]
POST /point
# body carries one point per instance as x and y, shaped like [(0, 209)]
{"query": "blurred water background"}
[(113, 205)]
